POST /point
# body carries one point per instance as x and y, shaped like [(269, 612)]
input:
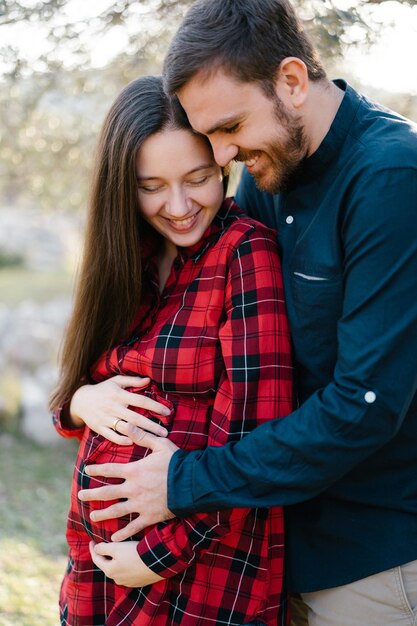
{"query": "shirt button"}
[(370, 397), (289, 219)]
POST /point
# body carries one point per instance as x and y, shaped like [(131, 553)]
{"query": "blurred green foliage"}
[(55, 101), (10, 260)]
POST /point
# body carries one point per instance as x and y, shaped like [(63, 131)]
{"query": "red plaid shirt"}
[(216, 345)]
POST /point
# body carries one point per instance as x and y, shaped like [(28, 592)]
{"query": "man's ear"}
[(291, 82)]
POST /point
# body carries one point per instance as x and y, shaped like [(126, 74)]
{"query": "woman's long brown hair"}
[(108, 289)]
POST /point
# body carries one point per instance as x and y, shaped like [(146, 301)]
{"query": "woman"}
[(179, 287)]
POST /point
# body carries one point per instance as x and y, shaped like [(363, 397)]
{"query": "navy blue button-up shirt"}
[(344, 462)]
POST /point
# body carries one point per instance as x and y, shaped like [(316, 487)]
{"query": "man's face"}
[(243, 124)]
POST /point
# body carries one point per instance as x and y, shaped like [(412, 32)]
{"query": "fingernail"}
[(86, 470), (163, 432), (166, 411), (81, 495), (93, 516)]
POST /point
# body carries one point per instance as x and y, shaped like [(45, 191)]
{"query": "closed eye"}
[(150, 188), (199, 181), (229, 130)]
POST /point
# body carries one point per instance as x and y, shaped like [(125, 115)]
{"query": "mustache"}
[(245, 156)]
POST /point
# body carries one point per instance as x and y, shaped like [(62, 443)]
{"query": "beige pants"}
[(386, 599), (299, 611)]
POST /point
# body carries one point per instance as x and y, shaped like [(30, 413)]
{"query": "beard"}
[(285, 156)]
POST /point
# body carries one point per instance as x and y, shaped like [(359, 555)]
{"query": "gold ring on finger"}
[(114, 425)]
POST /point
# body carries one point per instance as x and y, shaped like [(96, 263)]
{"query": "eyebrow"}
[(203, 166)]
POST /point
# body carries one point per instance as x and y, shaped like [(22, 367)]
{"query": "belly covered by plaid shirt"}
[(216, 345)]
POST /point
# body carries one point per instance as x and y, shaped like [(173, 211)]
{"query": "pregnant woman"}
[(179, 326)]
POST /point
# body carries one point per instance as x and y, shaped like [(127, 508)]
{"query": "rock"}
[(36, 418), (29, 342)]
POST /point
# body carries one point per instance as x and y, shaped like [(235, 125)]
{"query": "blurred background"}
[(61, 64)]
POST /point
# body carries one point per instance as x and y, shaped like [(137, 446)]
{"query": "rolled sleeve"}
[(61, 419), (156, 555), (172, 546)]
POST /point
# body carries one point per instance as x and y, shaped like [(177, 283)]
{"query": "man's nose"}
[(223, 150)]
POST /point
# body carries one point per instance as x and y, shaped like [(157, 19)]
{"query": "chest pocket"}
[(317, 302)]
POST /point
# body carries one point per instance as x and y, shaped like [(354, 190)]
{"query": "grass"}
[(19, 283), (35, 484), (34, 497)]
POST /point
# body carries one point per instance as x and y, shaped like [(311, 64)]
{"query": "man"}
[(336, 175)]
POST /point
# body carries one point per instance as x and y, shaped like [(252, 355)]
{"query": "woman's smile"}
[(185, 224)]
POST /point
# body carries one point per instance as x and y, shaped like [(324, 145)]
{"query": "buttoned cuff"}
[(156, 555), (61, 419)]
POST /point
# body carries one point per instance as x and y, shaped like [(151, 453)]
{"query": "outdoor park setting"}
[(61, 64)]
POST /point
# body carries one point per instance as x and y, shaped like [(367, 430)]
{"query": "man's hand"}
[(122, 563), (144, 489)]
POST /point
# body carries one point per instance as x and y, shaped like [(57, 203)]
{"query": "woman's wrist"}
[(75, 420)]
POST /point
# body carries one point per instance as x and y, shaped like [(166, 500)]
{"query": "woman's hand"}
[(100, 406), (122, 563)]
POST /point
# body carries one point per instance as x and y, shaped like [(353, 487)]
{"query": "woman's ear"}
[(292, 82)]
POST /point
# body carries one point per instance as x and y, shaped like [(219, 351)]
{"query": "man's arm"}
[(375, 377), (290, 460)]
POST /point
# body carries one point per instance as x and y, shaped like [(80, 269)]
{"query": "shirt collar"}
[(151, 239), (213, 232), (334, 139)]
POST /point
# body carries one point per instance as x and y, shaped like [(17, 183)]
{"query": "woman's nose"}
[(178, 203)]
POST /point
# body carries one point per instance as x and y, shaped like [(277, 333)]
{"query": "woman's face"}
[(179, 185)]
